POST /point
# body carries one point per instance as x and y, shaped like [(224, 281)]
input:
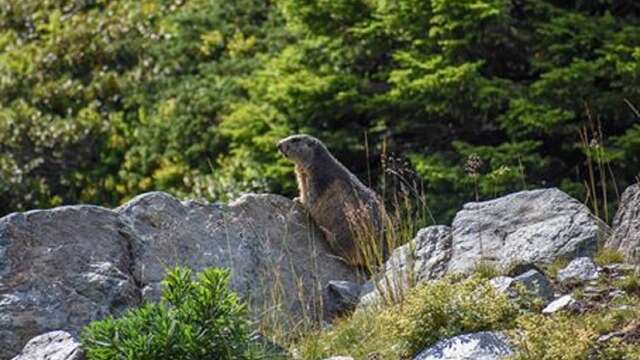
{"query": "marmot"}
[(348, 212)]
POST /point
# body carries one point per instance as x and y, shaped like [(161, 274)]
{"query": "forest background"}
[(464, 99)]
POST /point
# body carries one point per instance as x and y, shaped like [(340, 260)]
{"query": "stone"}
[(54, 345), (626, 225), (536, 226), (519, 232), (533, 281), (559, 304), (272, 247), (340, 298), (64, 267), (579, 270), (522, 268), (484, 345), (61, 269), (501, 283), (424, 258)]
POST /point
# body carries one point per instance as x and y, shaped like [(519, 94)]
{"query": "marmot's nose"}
[(281, 147)]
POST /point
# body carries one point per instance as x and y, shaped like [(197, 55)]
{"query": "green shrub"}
[(199, 319), (558, 264), (576, 337), (607, 256), (430, 312), (551, 338), (487, 269), (443, 309), (629, 283)]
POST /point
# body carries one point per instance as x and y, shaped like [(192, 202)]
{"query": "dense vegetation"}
[(455, 305), (101, 100), (199, 319)]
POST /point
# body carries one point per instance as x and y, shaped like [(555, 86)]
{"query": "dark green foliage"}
[(100, 100), (199, 319)]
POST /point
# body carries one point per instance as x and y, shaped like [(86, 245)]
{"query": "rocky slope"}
[(528, 227), (64, 267)]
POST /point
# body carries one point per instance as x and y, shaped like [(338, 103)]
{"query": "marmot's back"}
[(348, 212)]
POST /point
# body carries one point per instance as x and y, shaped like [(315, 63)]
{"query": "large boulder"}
[(65, 267), (272, 247), (54, 345), (536, 226), (484, 345), (60, 269), (515, 231), (626, 225)]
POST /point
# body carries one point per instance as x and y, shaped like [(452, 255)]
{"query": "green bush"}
[(199, 319), (576, 337), (544, 338), (606, 256), (101, 100), (429, 313), (443, 309)]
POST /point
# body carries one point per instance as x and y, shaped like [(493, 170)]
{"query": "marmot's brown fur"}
[(338, 202)]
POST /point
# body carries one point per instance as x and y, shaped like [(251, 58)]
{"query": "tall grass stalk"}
[(600, 173)]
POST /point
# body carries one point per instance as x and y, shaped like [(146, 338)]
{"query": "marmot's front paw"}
[(298, 200)]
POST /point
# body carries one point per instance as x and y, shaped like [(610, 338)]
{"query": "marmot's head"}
[(301, 149)]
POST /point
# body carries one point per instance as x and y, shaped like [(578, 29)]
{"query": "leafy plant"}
[(199, 319), (428, 313)]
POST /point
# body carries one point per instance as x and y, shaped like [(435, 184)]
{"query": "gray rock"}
[(423, 258), (535, 226), (271, 246), (533, 282), (340, 298), (477, 346), (578, 271), (558, 304), (55, 345), (516, 231), (502, 283), (60, 269), (65, 267), (626, 225)]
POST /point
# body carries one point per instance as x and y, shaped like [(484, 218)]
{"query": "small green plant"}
[(558, 264), (576, 337), (550, 338), (199, 319), (443, 309), (629, 283), (486, 269), (606, 256)]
